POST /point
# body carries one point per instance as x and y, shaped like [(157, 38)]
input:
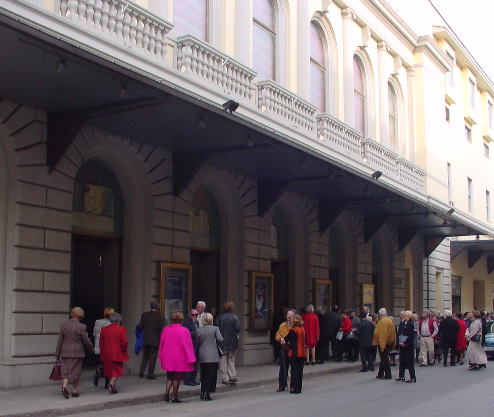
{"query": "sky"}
[(471, 20)]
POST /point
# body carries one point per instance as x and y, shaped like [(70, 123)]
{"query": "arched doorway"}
[(97, 231), (205, 250), (280, 267)]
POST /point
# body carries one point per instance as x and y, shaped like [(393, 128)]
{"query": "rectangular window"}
[(264, 39), (472, 93), (447, 114), (488, 205), (468, 134), (439, 290), (490, 111), (190, 17), (487, 152), (456, 293), (451, 74), (470, 195), (450, 189)]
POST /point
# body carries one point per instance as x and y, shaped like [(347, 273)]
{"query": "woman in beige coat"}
[(475, 353)]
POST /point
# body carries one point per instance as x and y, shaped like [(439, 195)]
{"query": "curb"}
[(126, 402)]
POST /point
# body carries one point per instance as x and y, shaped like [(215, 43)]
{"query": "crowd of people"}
[(203, 344)]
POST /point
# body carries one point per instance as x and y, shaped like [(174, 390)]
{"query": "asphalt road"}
[(439, 392)]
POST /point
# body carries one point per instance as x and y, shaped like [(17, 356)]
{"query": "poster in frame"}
[(367, 297), (261, 300), (323, 293), (175, 288)]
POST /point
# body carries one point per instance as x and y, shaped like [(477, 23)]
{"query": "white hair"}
[(309, 308), (207, 318), (382, 312), (448, 313), (201, 303)]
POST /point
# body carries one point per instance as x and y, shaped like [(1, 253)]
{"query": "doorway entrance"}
[(280, 266)]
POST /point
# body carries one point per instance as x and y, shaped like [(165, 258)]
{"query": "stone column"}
[(348, 52), (303, 50), (383, 50), (411, 112), (243, 32)]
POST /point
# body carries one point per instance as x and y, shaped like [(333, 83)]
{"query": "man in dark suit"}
[(448, 330), (333, 322), (364, 332), (152, 322), (192, 325)]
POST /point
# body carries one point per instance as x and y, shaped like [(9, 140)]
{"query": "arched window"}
[(393, 118), (190, 17), (359, 94), (264, 39), (317, 68)]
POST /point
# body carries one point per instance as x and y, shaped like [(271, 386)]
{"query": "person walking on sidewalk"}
[(311, 328), (282, 332), (406, 338), (384, 338), (229, 326), (475, 353), (72, 340), (461, 339), (365, 332), (296, 353), (192, 324), (333, 321), (448, 330), (98, 325), (428, 330), (152, 323), (113, 346), (208, 337), (176, 354)]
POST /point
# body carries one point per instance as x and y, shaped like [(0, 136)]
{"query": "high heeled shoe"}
[(207, 397), (65, 393), (166, 397), (112, 389)]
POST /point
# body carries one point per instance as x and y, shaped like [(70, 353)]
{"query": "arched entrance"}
[(97, 230), (205, 250), (280, 238)]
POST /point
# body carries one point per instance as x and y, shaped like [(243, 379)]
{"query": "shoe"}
[(176, 401), (166, 397), (400, 379), (363, 370), (312, 363), (387, 377), (422, 365), (379, 377), (141, 375), (151, 377), (280, 390), (319, 362), (207, 397), (201, 396), (411, 380), (107, 382), (306, 364), (226, 382), (233, 380), (95, 380), (65, 393), (112, 389), (76, 394)]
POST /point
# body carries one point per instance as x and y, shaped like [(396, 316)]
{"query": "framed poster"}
[(323, 293), (175, 288), (261, 300), (367, 297)]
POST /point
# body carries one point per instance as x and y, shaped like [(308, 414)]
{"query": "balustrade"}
[(340, 136), (379, 157)]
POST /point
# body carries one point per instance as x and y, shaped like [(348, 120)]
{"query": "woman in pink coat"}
[(176, 355)]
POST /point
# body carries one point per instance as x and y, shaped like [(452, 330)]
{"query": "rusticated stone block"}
[(41, 260), (29, 237), (27, 323), (59, 199), (31, 193), (40, 302), (56, 281), (34, 345), (57, 240)]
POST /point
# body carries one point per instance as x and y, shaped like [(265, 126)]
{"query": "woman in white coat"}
[(475, 353)]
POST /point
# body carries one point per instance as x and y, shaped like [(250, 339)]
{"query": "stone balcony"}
[(139, 34)]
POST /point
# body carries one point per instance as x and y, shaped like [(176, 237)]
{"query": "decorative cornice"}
[(348, 14)]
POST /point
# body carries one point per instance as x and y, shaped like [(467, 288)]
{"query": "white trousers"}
[(426, 349), (227, 366)]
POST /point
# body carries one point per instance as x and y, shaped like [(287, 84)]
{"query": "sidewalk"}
[(47, 400)]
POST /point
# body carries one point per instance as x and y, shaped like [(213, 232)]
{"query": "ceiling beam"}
[(473, 257), (405, 236), (185, 167), (328, 213), (372, 224), (490, 264), (269, 192)]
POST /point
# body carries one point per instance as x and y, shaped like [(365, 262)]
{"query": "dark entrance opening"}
[(205, 281), (280, 266)]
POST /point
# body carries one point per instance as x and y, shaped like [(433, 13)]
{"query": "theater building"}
[(259, 151)]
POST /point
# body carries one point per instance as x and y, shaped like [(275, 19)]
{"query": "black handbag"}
[(476, 338)]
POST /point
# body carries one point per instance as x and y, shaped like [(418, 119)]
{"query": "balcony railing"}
[(132, 28), (277, 101), (121, 22), (339, 136), (201, 60)]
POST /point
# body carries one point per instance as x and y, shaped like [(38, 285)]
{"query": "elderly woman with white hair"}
[(448, 331), (208, 356), (406, 338), (73, 340)]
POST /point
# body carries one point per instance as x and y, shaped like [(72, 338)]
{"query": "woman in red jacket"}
[(295, 339), (346, 328), (113, 345), (461, 340), (312, 333)]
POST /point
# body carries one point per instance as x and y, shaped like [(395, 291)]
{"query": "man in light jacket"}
[(229, 326), (384, 338), (428, 330)]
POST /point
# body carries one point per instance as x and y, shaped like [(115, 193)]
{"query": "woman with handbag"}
[(72, 342), (296, 353), (98, 325), (209, 340), (406, 345), (475, 352)]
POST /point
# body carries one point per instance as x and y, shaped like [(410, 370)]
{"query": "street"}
[(439, 392)]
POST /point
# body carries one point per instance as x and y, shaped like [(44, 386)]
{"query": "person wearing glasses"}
[(192, 324)]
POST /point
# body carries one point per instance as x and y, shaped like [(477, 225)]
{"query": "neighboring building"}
[(127, 171)]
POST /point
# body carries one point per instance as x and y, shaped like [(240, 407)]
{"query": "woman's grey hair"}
[(115, 318), (207, 318), (309, 308), (77, 312), (382, 312), (448, 313)]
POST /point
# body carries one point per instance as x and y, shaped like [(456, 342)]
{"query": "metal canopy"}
[(475, 249), (76, 87)]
